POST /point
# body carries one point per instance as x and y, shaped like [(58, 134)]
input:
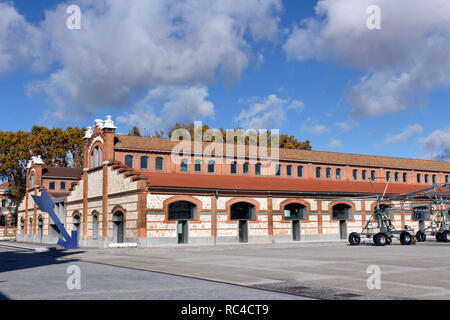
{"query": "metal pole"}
[(215, 218)]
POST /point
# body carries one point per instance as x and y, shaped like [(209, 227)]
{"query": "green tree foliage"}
[(286, 141), (135, 132), (57, 147)]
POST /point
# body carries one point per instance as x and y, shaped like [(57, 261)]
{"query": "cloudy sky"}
[(312, 69)]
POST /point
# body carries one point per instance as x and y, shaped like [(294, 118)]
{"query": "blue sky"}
[(318, 74)]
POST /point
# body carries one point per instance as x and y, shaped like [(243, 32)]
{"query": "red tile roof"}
[(157, 144), (61, 172), (272, 184)]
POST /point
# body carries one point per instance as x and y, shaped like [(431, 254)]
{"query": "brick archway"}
[(294, 200), (190, 199), (350, 203), (252, 201)]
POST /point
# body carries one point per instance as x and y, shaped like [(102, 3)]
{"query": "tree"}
[(135, 132), (57, 147)]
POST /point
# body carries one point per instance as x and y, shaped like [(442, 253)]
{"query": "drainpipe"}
[(215, 217)]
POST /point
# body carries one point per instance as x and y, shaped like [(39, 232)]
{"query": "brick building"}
[(132, 190), (7, 211)]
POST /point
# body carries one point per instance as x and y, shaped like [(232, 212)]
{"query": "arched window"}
[(96, 157), (397, 177), (94, 226), (364, 175), (211, 166), (246, 168), (373, 175), (242, 211), (318, 172), (300, 171), (289, 171), (427, 179), (405, 177), (258, 169), (184, 165), (328, 173), (419, 178), (32, 181), (355, 174), (159, 164), (278, 170), (144, 163), (233, 167), (182, 210), (198, 165), (338, 174), (129, 161), (447, 180), (434, 179), (388, 176)]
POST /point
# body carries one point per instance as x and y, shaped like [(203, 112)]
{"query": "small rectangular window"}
[(427, 179), (373, 175), (211, 167), (233, 168), (258, 169), (338, 174), (397, 177), (198, 166), (3, 203), (364, 175), (434, 179), (144, 163), (388, 176), (246, 168), (300, 171), (159, 164), (278, 170), (447, 179), (318, 172), (405, 177), (52, 185), (63, 186), (355, 174), (328, 173), (184, 165), (289, 171), (419, 178)]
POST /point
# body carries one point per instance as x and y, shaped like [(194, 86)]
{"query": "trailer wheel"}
[(354, 239), (380, 239), (421, 236), (446, 236), (405, 238), (438, 236)]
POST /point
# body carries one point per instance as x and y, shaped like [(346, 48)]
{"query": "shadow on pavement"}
[(12, 260)]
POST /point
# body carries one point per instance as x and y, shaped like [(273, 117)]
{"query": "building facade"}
[(7, 211), (138, 190)]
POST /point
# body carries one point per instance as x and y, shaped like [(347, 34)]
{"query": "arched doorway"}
[(94, 226), (342, 212), (242, 212), (40, 229), (77, 226), (295, 212), (30, 227), (182, 212), (118, 227)]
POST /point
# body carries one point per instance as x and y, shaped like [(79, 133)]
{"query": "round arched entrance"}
[(118, 227), (182, 212), (295, 212), (342, 212)]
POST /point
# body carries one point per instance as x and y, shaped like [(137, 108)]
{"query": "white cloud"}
[(402, 62), (347, 125), (438, 143), (403, 137), (334, 144), (165, 105), (267, 113), (316, 129), (124, 48), (21, 44)]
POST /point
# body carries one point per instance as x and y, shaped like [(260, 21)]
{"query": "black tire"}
[(439, 236), (421, 236), (446, 236), (354, 239), (380, 239), (405, 238)]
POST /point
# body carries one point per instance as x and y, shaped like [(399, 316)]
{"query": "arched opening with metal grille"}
[(182, 212), (296, 212), (243, 212), (342, 212)]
